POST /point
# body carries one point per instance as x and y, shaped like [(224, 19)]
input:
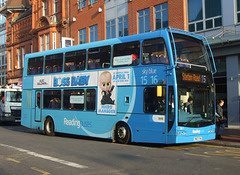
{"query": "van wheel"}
[(49, 127), (122, 133)]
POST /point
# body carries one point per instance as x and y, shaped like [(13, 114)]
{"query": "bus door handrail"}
[(174, 47), (211, 54)]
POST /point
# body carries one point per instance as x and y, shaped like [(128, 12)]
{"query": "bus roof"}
[(112, 41)]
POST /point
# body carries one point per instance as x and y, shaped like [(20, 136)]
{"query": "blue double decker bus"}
[(155, 87)]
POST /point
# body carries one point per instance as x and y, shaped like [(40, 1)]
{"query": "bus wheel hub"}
[(122, 132)]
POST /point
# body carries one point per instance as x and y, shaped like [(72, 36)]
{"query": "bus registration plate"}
[(197, 138)]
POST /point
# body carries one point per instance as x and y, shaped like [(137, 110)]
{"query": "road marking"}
[(197, 155), (185, 147), (64, 162), (40, 171), (13, 160)]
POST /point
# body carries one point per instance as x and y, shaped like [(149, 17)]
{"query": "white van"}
[(10, 103)]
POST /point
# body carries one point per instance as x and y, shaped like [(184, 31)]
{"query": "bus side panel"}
[(86, 123), (148, 128), (130, 99), (27, 109), (144, 127)]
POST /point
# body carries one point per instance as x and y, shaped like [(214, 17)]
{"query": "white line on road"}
[(64, 162)]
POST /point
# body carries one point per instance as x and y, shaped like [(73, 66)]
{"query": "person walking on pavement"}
[(220, 120)]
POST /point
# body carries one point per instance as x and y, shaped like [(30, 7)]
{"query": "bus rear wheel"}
[(49, 127), (122, 133)]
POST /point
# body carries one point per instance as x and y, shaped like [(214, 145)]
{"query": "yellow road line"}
[(40, 171), (13, 160), (197, 155)]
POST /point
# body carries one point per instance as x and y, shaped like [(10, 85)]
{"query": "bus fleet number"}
[(153, 79)]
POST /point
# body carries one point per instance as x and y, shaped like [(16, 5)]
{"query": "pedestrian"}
[(220, 119)]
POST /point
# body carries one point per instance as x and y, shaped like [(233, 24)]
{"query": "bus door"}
[(38, 106)]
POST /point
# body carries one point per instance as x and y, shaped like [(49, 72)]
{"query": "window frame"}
[(58, 94), (152, 100), (161, 12), (205, 21), (237, 11), (146, 20), (160, 58), (74, 59), (82, 4), (80, 92), (111, 29), (129, 53), (82, 36), (97, 58), (50, 63), (124, 23), (93, 33), (38, 63)]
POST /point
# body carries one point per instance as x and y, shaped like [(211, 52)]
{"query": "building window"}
[(143, 21), (123, 26), (94, 33), (202, 15), (23, 56), (92, 2), (81, 4), (111, 29), (161, 16), (238, 10), (55, 6), (45, 8), (82, 36), (47, 41), (10, 60), (42, 43), (19, 58), (54, 40)]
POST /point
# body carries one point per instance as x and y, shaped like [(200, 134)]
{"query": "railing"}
[(223, 31)]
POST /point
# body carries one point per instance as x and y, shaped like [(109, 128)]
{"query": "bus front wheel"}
[(49, 127), (122, 133)]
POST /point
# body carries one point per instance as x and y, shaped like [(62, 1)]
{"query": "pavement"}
[(230, 137)]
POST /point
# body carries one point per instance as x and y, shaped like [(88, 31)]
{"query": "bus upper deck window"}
[(99, 57), (126, 54), (35, 66), (154, 52), (53, 63), (75, 60)]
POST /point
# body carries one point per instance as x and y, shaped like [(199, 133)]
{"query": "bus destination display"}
[(191, 77)]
